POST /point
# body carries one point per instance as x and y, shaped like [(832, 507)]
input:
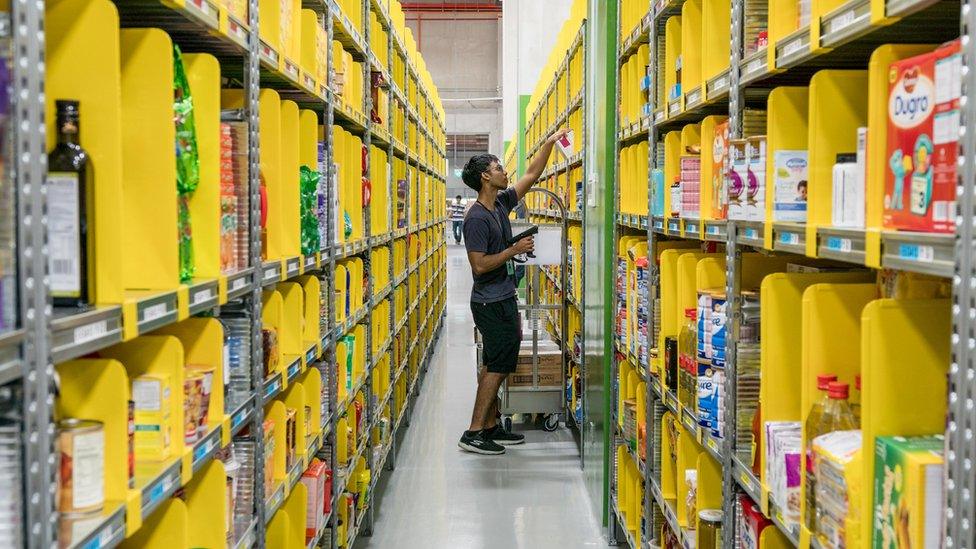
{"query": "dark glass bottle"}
[(67, 200)]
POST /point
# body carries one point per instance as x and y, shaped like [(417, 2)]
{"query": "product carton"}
[(747, 179), (790, 186), (720, 149), (908, 492), (151, 416), (923, 134), (314, 480)]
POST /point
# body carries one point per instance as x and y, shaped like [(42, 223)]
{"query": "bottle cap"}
[(823, 380), (691, 313), (837, 390), (857, 382)]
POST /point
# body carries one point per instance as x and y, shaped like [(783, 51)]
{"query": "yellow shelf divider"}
[(295, 506), (716, 20), (165, 528), (672, 51), (293, 318), (277, 531), (712, 186), (689, 452), (275, 411), (312, 310), (311, 382), (905, 358), (877, 144), (672, 155), (83, 62), (294, 399), (709, 488), (838, 106), (206, 507), (288, 195), (783, 18), (272, 316), (148, 164), (691, 48), (786, 129)]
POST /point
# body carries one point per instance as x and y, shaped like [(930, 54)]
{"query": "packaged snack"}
[(720, 149), (923, 135), (908, 492), (151, 414)]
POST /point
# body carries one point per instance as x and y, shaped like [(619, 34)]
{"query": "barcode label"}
[(64, 234), (84, 334), (63, 266)]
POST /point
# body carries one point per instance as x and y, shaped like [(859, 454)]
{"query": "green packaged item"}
[(350, 341), (908, 492), (347, 224), (187, 162), (308, 204)]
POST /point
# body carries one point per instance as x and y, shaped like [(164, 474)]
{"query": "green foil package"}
[(347, 224), (187, 161), (308, 204)]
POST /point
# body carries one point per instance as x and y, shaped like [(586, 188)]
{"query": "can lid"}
[(838, 391), (823, 381), (710, 515), (73, 424)]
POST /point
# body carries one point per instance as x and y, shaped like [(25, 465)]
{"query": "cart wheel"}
[(552, 422), (507, 423)]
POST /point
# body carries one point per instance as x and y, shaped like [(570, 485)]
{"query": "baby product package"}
[(790, 186), (923, 134)]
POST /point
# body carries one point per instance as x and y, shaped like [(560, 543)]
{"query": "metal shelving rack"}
[(953, 257), (29, 352)]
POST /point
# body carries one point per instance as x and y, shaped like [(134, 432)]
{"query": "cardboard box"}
[(314, 480), (790, 186), (908, 492), (923, 135), (720, 150), (151, 396), (550, 365)]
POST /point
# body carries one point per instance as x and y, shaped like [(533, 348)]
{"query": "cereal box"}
[(923, 130), (720, 149), (908, 492)]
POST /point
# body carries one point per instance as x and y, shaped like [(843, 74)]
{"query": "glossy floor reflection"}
[(533, 497)]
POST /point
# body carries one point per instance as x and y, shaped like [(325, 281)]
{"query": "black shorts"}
[(501, 334)]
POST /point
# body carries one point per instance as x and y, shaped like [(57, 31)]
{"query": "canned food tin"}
[(709, 529), (82, 472)]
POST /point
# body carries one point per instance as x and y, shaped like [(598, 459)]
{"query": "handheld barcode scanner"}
[(531, 231)]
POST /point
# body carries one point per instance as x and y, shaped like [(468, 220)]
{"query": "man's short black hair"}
[(477, 165), (458, 197)]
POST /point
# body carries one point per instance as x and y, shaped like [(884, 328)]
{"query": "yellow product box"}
[(152, 407), (909, 489)]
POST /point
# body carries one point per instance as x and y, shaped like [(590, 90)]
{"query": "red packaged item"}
[(314, 480), (923, 134), (327, 500), (751, 523)]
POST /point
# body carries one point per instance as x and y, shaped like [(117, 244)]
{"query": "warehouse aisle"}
[(440, 497)]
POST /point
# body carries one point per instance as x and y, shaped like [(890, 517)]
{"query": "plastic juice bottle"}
[(687, 360), (813, 426), (837, 416)]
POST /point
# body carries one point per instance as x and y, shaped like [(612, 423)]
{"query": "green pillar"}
[(600, 128)]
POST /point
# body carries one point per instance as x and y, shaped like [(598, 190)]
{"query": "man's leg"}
[(486, 399)]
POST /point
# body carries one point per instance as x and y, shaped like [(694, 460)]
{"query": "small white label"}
[(204, 7), (271, 273), (842, 21), (153, 312), (789, 238), (64, 234), (792, 47), (90, 332), (202, 296), (88, 468), (238, 284), (756, 65)]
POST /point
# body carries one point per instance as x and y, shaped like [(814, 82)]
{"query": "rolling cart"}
[(539, 387)]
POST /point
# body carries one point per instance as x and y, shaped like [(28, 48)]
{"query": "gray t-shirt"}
[(488, 232)]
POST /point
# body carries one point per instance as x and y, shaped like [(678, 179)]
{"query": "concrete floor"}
[(533, 497)]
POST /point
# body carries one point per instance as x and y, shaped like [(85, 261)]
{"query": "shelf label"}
[(792, 47), (310, 356), (238, 283), (841, 22), (756, 65), (153, 312), (203, 296), (916, 252), (838, 244), (693, 97), (268, 53), (712, 229), (710, 442), (674, 226), (752, 233), (90, 332), (721, 84), (691, 228), (271, 273), (157, 492), (293, 369), (273, 388), (238, 419), (791, 239), (204, 8), (293, 265), (235, 29), (203, 449), (746, 481)]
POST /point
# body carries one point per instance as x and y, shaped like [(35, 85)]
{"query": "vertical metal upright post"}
[(960, 511), (30, 169), (252, 88), (733, 281), (366, 528), (651, 274), (391, 455)]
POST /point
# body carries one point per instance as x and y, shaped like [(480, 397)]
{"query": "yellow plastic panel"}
[(272, 316), (99, 389), (203, 73), (269, 13), (709, 485), (166, 528), (308, 138), (311, 382), (295, 505), (290, 336), (877, 125), (669, 451), (716, 19), (691, 46), (312, 306), (672, 51), (672, 155), (294, 399), (148, 161), (905, 356), (275, 411), (288, 192), (277, 532), (308, 58), (203, 344), (772, 538), (343, 378), (688, 453), (830, 344), (687, 292), (783, 18), (206, 506), (786, 129), (83, 62), (838, 106)]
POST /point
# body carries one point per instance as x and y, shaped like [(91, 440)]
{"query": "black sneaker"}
[(499, 435), (479, 444)]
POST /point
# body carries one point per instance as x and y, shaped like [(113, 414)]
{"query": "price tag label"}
[(841, 22), (293, 265), (272, 389), (693, 97), (153, 312), (792, 239), (756, 65), (203, 449), (235, 29), (238, 283), (673, 226), (916, 252), (238, 419), (839, 244), (203, 296), (712, 444), (746, 482), (204, 8), (792, 47), (90, 332), (691, 228), (752, 234), (271, 273), (293, 369), (712, 229)]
